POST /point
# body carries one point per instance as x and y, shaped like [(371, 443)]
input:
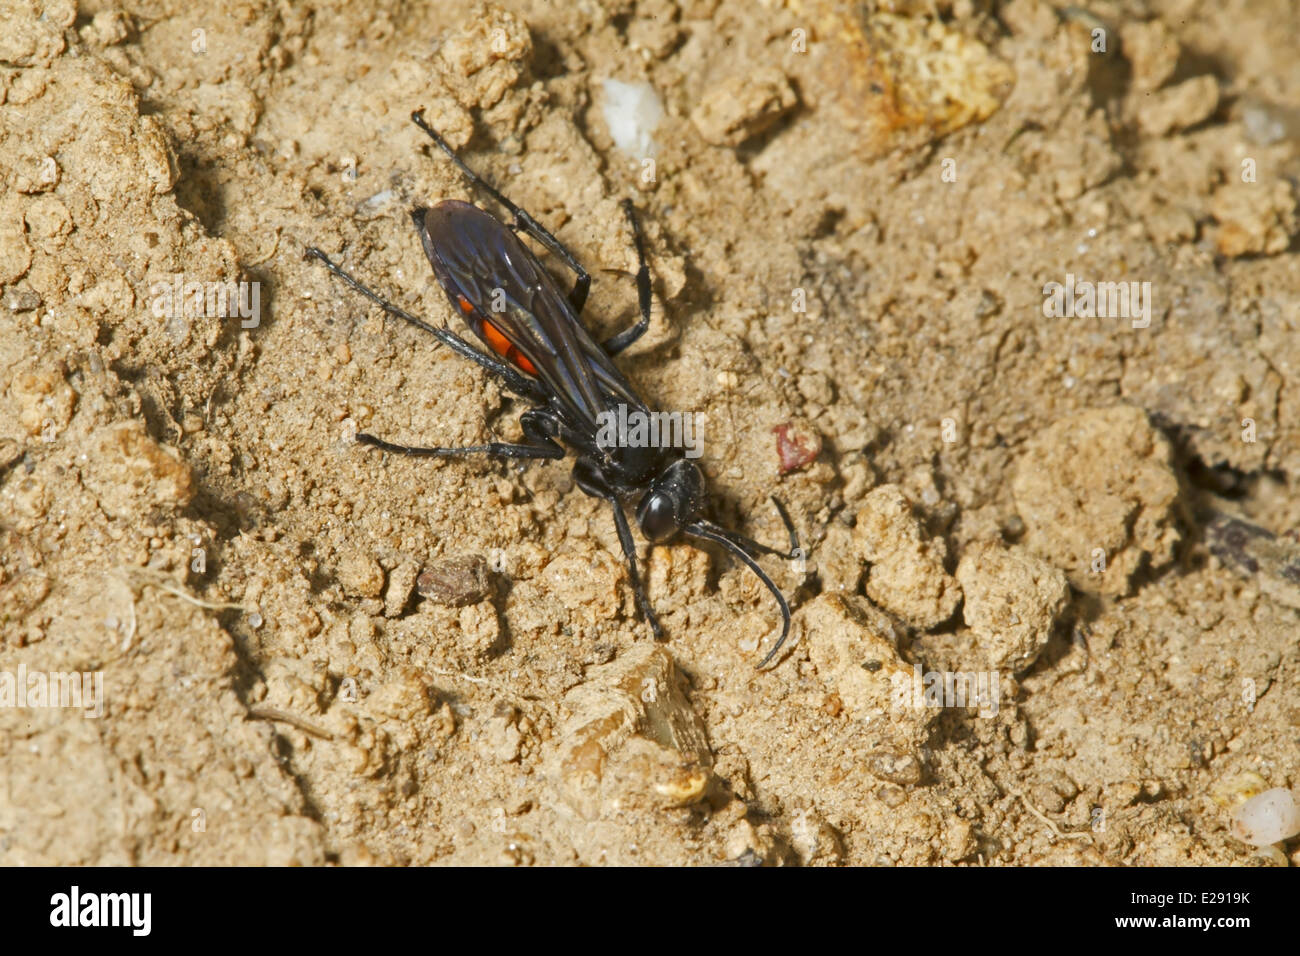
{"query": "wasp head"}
[(675, 499)]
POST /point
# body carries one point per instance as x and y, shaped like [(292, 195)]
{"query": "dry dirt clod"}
[(588, 587), (361, 575), (1178, 107), (1153, 51), (45, 400), (906, 575), (854, 648), (744, 106), (815, 840), (1012, 601), (900, 768), (131, 473), (1254, 218), (899, 79), (838, 565), (486, 57), (401, 584), (1097, 492)]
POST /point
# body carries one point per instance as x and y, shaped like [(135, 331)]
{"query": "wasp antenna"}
[(789, 526), (711, 532)]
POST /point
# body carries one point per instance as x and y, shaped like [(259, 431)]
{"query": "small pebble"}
[(632, 112), (1270, 817), (455, 581)]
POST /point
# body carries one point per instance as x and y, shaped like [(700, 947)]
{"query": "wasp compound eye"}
[(657, 516)]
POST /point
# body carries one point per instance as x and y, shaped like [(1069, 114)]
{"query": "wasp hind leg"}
[(512, 379), (538, 428)]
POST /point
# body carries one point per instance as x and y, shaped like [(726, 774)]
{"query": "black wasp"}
[(545, 355)]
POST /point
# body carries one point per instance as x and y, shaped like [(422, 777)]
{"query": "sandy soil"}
[(311, 652)]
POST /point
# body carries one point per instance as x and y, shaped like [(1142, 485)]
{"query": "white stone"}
[(1270, 817), (632, 113)]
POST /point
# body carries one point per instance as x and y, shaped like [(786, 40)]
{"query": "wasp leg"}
[(621, 340), (587, 478), (581, 285), (513, 380), (491, 450), (629, 552), (537, 425)]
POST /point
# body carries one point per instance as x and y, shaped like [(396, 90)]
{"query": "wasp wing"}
[(513, 304)]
